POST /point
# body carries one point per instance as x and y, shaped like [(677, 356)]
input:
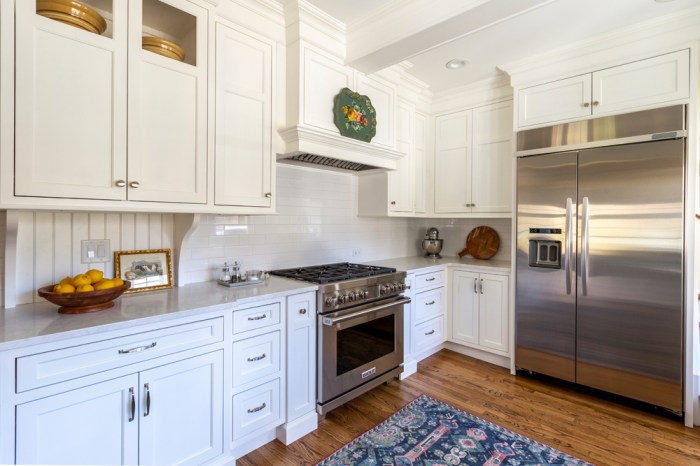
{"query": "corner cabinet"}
[(98, 117), (655, 81), (243, 164), (474, 161), (480, 311)]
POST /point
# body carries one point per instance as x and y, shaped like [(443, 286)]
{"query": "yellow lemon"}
[(104, 284), (95, 275), (118, 281), (64, 288), (84, 288), (81, 279), (68, 280)]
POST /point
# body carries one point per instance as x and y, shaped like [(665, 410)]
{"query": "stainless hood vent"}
[(329, 162)]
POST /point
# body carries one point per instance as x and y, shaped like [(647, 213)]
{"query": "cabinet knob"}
[(302, 311), (596, 103), (120, 183), (268, 195), (134, 184), (393, 202), (586, 104)]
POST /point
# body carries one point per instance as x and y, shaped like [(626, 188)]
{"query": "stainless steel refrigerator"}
[(600, 254)]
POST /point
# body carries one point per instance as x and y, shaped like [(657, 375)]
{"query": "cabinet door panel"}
[(655, 80), (85, 426), (493, 312), (322, 80), (383, 98), (420, 163), (453, 162), (70, 112), (465, 307), (556, 101), (185, 422), (301, 355), (244, 119)]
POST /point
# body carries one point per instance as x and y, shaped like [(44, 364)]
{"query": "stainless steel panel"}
[(667, 122), (630, 280), (545, 312)]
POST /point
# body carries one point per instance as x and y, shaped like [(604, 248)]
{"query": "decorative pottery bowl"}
[(73, 13), (163, 47), (80, 303)]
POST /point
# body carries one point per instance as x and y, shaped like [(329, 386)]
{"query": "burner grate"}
[(330, 273)]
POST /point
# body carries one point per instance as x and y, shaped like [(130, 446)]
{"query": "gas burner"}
[(331, 273)]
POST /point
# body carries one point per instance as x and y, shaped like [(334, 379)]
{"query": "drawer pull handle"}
[(302, 311), (430, 303), (430, 332), (475, 281), (132, 404), (148, 400), (257, 358), (258, 317), (431, 279), (138, 348), (259, 408), (481, 286)]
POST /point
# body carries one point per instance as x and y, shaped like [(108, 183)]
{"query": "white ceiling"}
[(489, 34)]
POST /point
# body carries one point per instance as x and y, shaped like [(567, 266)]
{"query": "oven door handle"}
[(330, 321)]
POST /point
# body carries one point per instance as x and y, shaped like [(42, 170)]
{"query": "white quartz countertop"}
[(40, 322), (420, 263)]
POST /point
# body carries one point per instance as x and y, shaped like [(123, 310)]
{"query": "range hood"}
[(315, 75)]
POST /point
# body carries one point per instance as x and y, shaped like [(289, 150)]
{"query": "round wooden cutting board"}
[(483, 242)]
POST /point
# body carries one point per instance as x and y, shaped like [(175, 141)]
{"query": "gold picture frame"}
[(146, 269)]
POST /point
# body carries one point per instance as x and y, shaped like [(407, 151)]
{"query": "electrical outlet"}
[(94, 250), (356, 253)]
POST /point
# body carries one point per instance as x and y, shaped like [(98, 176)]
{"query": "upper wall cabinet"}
[(655, 81), (474, 161), (112, 116), (243, 162)]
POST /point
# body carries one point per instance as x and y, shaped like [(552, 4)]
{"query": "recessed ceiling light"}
[(456, 63)]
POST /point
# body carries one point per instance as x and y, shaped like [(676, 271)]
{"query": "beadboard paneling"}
[(48, 243)]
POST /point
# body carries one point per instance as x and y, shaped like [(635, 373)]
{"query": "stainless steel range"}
[(360, 328)]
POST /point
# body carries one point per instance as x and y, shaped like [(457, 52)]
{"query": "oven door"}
[(358, 344)]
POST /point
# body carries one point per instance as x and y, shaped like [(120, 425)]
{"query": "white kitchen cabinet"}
[(480, 310), (383, 98), (301, 417), (401, 180), (410, 365), (97, 117), (244, 83), (655, 81), (420, 162), (428, 311), (258, 383), (142, 418), (473, 160)]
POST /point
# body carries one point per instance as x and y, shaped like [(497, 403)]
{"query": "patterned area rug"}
[(427, 432)]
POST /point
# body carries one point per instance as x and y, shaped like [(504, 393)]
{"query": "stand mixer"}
[(432, 245)]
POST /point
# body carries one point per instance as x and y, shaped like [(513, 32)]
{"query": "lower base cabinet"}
[(141, 418), (480, 310)]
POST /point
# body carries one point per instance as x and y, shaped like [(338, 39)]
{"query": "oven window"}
[(364, 343)]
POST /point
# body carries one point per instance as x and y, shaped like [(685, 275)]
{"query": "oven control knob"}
[(352, 296), (342, 298), (383, 290), (330, 301), (365, 294), (392, 287)]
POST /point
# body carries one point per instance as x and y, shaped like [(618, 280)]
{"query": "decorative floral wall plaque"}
[(354, 115)]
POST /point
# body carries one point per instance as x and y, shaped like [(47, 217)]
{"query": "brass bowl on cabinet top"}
[(73, 13), (80, 303), (163, 47)]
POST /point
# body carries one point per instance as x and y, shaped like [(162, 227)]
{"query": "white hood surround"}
[(315, 74)]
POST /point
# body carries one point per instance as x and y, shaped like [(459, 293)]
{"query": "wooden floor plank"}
[(584, 425)]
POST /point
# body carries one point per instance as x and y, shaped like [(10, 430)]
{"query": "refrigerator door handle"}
[(568, 242), (584, 246)]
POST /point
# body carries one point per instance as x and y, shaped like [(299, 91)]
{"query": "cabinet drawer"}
[(428, 334), (41, 369), (256, 357), (256, 317), (428, 304), (256, 409), (430, 280)]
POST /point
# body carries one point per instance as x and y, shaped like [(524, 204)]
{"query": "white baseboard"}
[(296, 429), (244, 446), (409, 368), (495, 359), (429, 352)]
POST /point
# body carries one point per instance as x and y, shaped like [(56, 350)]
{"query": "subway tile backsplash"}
[(316, 223)]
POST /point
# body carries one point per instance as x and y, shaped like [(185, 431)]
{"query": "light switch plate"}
[(95, 250)]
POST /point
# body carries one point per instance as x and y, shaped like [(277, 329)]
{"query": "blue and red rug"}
[(427, 432)]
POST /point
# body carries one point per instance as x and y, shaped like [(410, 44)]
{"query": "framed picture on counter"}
[(147, 269)]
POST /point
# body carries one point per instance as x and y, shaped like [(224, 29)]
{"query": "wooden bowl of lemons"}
[(86, 292)]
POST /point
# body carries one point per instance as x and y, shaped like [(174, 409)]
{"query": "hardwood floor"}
[(583, 425)]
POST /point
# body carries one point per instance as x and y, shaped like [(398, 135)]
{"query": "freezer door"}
[(630, 274), (545, 301)]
